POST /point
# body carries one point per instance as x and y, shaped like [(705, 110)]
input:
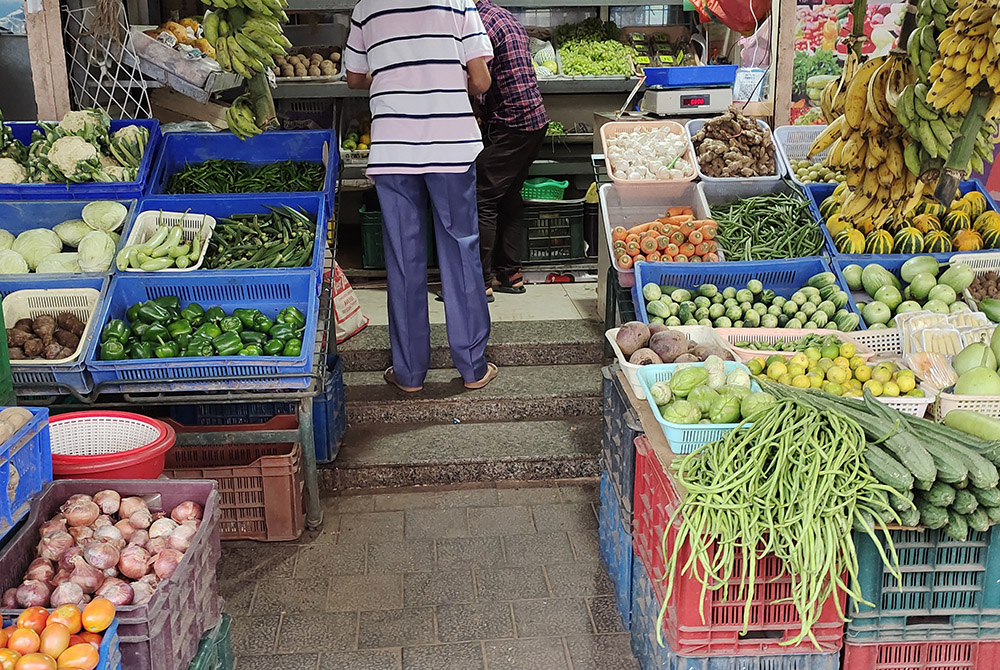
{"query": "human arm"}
[(356, 59), (479, 76), (359, 81)]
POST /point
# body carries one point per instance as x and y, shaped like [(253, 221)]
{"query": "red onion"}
[(141, 519), (82, 513), (181, 538), (67, 593), (166, 562), (81, 533), (9, 601), (41, 569), (52, 546), (101, 555), (58, 522), (126, 529), (142, 592), (117, 591), (129, 506), (156, 545), (111, 535), (109, 501), (66, 560), (186, 510), (76, 498), (62, 576), (33, 593), (134, 562), (139, 538), (87, 576), (102, 521), (162, 527)]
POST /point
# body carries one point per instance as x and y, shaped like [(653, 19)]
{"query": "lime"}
[(833, 388), (838, 374), (801, 381), (905, 382), (816, 379), (830, 351), (890, 389), (756, 365), (799, 359), (795, 369), (774, 358), (776, 369), (856, 362), (785, 379), (874, 387), (848, 349), (825, 364), (842, 362), (863, 373), (813, 354)]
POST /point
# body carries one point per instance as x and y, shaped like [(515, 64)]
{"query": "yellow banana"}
[(826, 138)]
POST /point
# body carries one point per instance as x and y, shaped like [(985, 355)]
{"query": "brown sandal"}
[(390, 378), (491, 373)]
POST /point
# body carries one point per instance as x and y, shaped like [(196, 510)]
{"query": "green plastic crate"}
[(543, 188), (553, 232), (215, 652), (372, 248)]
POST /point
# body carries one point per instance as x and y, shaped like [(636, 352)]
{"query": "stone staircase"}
[(540, 419)]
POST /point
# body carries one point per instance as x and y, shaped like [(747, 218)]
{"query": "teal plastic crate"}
[(950, 589), (615, 548), (215, 652)]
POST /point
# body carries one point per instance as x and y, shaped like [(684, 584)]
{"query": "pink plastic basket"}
[(771, 335), (615, 128)]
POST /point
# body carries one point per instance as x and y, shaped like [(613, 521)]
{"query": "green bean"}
[(768, 226), (219, 176)]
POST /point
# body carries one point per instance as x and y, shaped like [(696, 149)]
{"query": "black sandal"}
[(439, 296), (512, 284)]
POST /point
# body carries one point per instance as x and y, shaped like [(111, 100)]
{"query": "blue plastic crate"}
[(30, 452), (329, 415), (690, 75), (45, 376), (181, 149), (651, 656), (115, 190), (266, 290), (950, 589), (621, 427), (222, 206), (615, 548), (784, 277), (820, 192)]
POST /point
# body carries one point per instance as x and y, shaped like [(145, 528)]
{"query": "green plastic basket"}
[(543, 188), (373, 247)]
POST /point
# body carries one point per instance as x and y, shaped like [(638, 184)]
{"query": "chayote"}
[(756, 402), (725, 410), (660, 393), (681, 411), (704, 397), (686, 380)]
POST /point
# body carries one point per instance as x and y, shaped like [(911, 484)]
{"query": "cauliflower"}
[(12, 172), (108, 162), (128, 144), (134, 133), (74, 157)]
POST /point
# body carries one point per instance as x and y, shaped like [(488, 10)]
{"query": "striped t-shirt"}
[(416, 52)]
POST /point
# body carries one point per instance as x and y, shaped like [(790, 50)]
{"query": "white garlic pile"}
[(648, 153)]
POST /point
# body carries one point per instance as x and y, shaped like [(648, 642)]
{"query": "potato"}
[(327, 68), (279, 60), (15, 417), (6, 432), (335, 56), (315, 58), (314, 71), (276, 70), (287, 70), (300, 71)]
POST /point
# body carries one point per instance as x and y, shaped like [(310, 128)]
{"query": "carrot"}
[(703, 248), (618, 233), (625, 262), (695, 237), (633, 248), (681, 258), (671, 250), (713, 246), (648, 244), (678, 211), (639, 258), (656, 227), (678, 238), (632, 237), (711, 258), (661, 242), (687, 227), (695, 259), (641, 228), (653, 257), (618, 245), (681, 218), (687, 249), (709, 231)]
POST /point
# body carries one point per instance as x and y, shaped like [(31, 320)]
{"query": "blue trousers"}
[(403, 199)]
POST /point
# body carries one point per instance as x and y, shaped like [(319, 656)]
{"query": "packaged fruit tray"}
[(772, 335)]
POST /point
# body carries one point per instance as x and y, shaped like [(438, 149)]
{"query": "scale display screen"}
[(689, 101)]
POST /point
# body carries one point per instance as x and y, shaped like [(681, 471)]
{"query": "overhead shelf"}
[(338, 89)]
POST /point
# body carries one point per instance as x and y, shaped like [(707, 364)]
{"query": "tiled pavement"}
[(504, 577)]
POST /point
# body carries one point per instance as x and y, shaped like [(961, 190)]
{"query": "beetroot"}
[(632, 336)]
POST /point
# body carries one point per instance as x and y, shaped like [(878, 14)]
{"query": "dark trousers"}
[(501, 170)]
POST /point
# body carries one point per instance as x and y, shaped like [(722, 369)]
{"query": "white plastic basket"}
[(793, 144), (694, 125), (697, 334), (193, 224), (629, 207), (882, 341), (772, 335), (615, 128), (32, 303), (987, 405), (101, 433), (981, 262)]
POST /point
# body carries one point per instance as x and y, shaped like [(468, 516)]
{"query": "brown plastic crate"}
[(260, 485)]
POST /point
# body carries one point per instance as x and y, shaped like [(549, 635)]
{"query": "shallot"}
[(52, 546), (166, 562), (101, 555), (9, 601), (109, 501), (66, 560), (142, 592), (81, 533), (139, 538), (32, 593), (134, 562), (131, 505), (58, 522), (181, 538), (162, 528), (81, 513), (111, 535), (67, 593), (156, 545), (76, 498), (141, 519), (117, 591), (41, 569), (126, 529), (102, 521), (87, 576), (63, 576), (186, 510)]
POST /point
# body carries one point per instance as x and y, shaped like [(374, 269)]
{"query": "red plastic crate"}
[(721, 632), (939, 655)]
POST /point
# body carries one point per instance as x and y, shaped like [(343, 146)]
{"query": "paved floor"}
[(463, 579)]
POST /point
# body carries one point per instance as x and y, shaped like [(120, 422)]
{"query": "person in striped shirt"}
[(421, 61)]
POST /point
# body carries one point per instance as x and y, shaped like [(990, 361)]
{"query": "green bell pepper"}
[(194, 313), (282, 332), (231, 324), (262, 324), (228, 344), (139, 328), (174, 314), (199, 349), (152, 312), (168, 301), (292, 316), (132, 313), (139, 350), (156, 334), (115, 329), (253, 337), (292, 348), (167, 350), (246, 316), (113, 350), (180, 327), (214, 314), (251, 350), (208, 330), (183, 340), (274, 347)]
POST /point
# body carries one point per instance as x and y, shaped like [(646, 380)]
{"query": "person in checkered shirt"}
[(514, 126)]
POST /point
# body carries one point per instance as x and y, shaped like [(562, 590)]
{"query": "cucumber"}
[(994, 514), (965, 502), (979, 520), (901, 502), (940, 495), (910, 518), (956, 528), (882, 421), (887, 469), (931, 516), (986, 497), (950, 468)]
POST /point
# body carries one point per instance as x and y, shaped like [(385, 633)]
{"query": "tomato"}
[(80, 657), (23, 641), (98, 615), (8, 657), (54, 640), (3, 638), (91, 638), (35, 662), (33, 618), (67, 615), (10, 629)]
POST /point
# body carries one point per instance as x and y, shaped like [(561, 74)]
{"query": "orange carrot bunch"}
[(675, 236)]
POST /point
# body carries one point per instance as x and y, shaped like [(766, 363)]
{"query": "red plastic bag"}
[(743, 16), (346, 308)]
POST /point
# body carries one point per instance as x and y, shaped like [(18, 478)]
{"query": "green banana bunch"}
[(245, 42), (240, 118)]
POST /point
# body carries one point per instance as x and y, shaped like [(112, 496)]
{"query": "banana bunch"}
[(835, 93), (967, 54), (240, 118), (934, 13), (921, 48), (936, 131), (245, 42)]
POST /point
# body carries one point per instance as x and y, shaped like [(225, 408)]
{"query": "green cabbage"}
[(72, 231), (36, 244), (12, 263), (6, 239), (660, 393), (66, 262), (96, 251), (686, 380), (105, 215), (681, 411)]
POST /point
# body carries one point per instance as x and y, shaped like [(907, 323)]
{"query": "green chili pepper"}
[(179, 327), (208, 330), (139, 350), (113, 350), (214, 314), (262, 324), (282, 332), (167, 350), (274, 347), (156, 333), (231, 324), (138, 328), (115, 329), (194, 313), (228, 344), (292, 316), (247, 316), (253, 337), (153, 312), (251, 350), (168, 301), (132, 313), (292, 348)]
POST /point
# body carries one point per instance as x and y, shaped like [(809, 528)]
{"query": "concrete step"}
[(517, 394), (377, 455), (562, 342)]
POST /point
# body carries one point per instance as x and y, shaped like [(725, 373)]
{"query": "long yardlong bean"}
[(768, 226)]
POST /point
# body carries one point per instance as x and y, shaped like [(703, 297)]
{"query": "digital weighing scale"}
[(686, 101)]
